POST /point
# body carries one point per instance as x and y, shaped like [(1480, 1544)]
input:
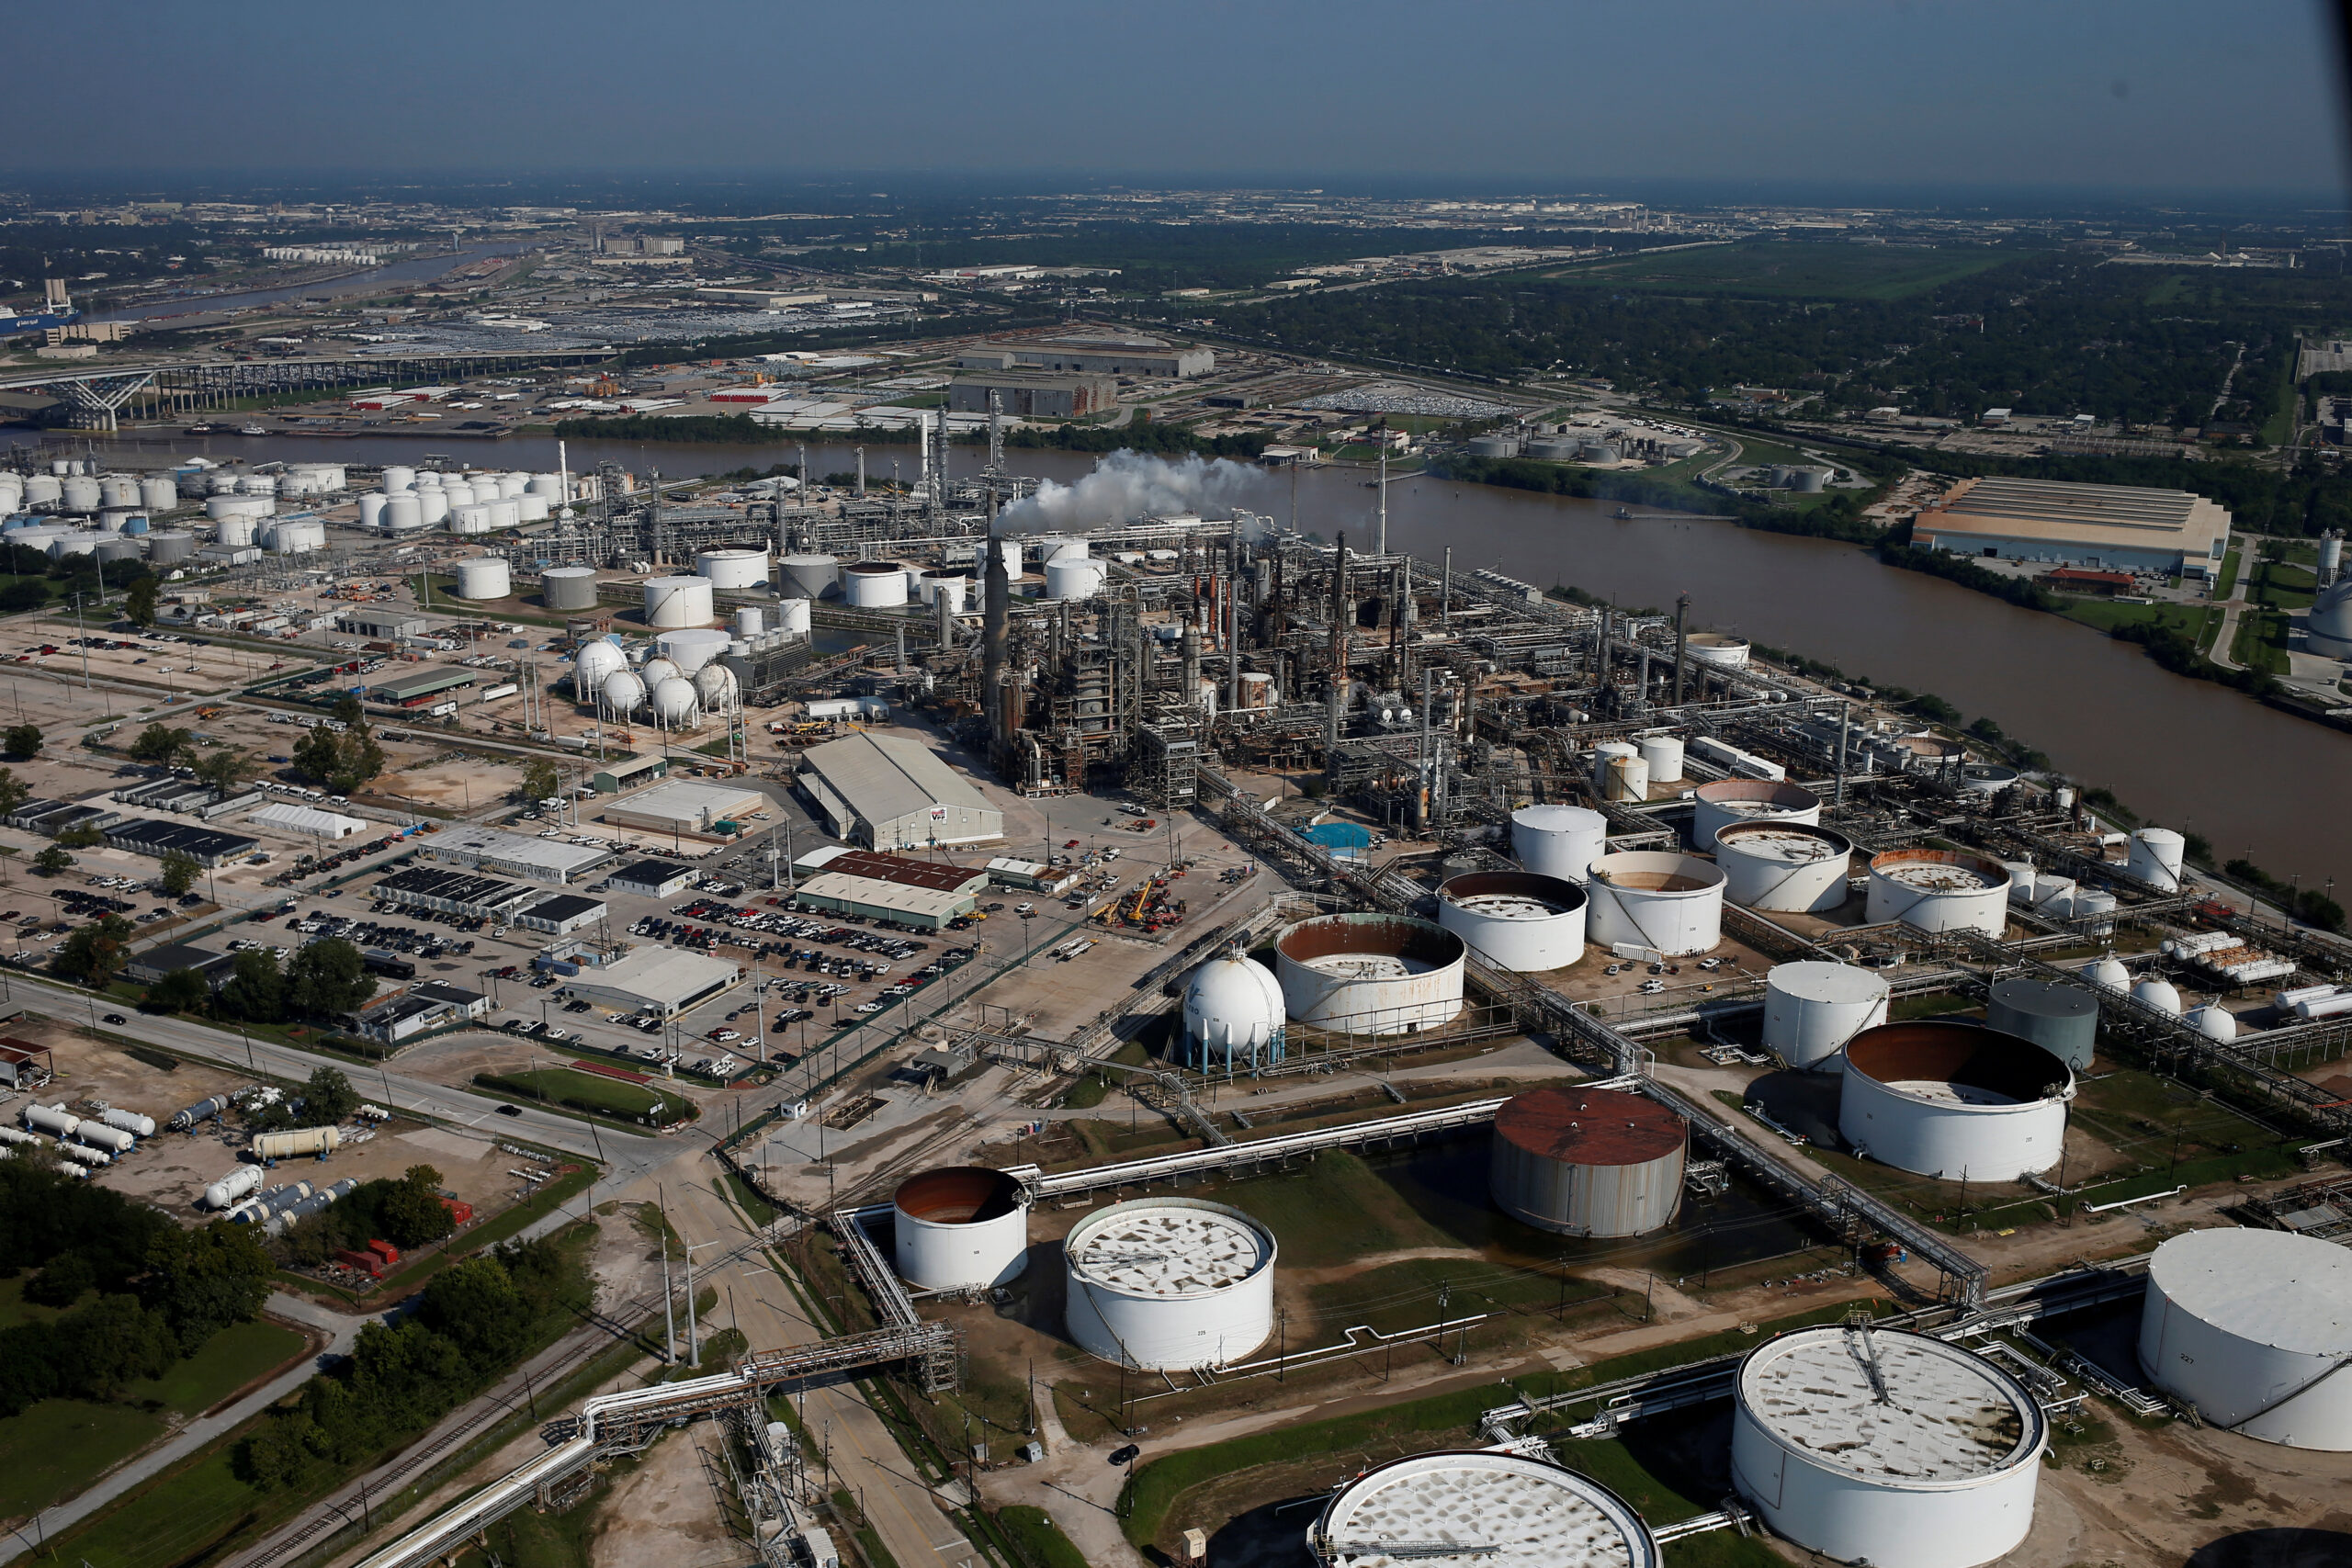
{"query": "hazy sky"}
[(1556, 94)]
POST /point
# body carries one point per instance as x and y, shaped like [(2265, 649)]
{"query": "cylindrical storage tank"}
[(2161, 995), (962, 1228), (1559, 840), (2094, 911), (83, 1154), (1662, 754), (130, 1122), (2249, 1325), (1719, 648), (1164, 1283), (1074, 577), (158, 493), (98, 1135), (457, 495), (1656, 900), (592, 665), (1515, 919), (1953, 1101), (1718, 804), (258, 484), (715, 688), (1496, 447), (678, 601), (41, 490), (470, 517), (2155, 857), (1939, 890), (1588, 1162), (569, 587), (531, 508), (1233, 1015), (244, 1179), (750, 621), (546, 486), (484, 577), (1052, 548), (1883, 1445), (1522, 1513), (398, 476), (955, 591), (792, 617), (690, 650), (874, 585), (1986, 778), (135, 525), (503, 513), (226, 509), (673, 700), (1369, 974), (371, 508), (1812, 1008), (1808, 481), (511, 486), (288, 1145), (623, 691), (809, 577), (1787, 867), (119, 492), (75, 544), (111, 551), (402, 514), (733, 568), (431, 508), (299, 537), (2021, 875), (2061, 1018), (1257, 690), (54, 1120), (80, 493), (1626, 778), (1606, 755)]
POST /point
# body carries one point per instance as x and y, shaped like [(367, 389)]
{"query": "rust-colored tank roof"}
[(959, 1195), (1934, 1049), (1582, 1126)]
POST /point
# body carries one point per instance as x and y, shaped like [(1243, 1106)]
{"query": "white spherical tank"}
[(1522, 1513), (690, 650), (2214, 1021), (1719, 805), (657, 670), (1168, 1283), (1939, 890), (1369, 974), (673, 700), (678, 601), (2161, 995), (1812, 1008), (792, 617), (486, 577), (1588, 1162), (1074, 577), (1515, 919), (1886, 1447), (1662, 754), (1559, 840), (810, 577), (715, 688), (1666, 903), (962, 1228), (874, 585), (593, 664), (1233, 1014), (2107, 974), (2251, 1327), (733, 568), (2155, 857), (623, 690), (569, 587), (1787, 867), (1953, 1101)]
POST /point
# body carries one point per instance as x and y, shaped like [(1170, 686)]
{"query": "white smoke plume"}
[(1128, 485)]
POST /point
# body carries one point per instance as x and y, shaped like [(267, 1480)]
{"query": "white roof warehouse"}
[(893, 793), (664, 980)]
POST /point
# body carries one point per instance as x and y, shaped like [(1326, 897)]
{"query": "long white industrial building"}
[(891, 792)]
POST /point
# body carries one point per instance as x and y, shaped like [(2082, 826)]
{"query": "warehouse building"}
[(628, 773), (157, 962), (454, 893), (418, 688), (149, 836), (410, 1013), (651, 878), (2118, 527), (308, 820), (894, 793), (379, 625), (689, 807), (561, 915), (512, 855), (925, 894), (663, 981), (1032, 394), (1167, 362)]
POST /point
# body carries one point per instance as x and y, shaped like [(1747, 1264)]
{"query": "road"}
[(2231, 608)]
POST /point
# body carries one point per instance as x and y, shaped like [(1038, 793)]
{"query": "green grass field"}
[(2196, 621), (1789, 270), (1298, 1207), (586, 1092), (59, 1446), (229, 1360)]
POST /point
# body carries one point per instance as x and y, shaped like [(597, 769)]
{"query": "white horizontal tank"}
[(1812, 1008), (1515, 919), (1953, 1101), (1666, 903), (2252, 1327), (962, 1228), (1168, 1283), (1559, 841), (1786, 867)]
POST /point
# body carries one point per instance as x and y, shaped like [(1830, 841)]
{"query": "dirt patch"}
[(672, 1510)]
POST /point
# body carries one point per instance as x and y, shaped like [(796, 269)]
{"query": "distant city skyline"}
[(2093, 98)]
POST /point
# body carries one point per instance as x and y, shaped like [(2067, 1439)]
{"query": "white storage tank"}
[(750, 622), (792, 617), (1717, 649), (962, 1228), (623, 691), (2214, 1021), (1515, 919), (1665, 903), (169, 546), (1786, 867), (1168, 1283), (1052, 548), (485, 577), (596, 661), (1939, 890), (733, 568), (503, 513), (1953, 1101), (809, 577), (569, 587), (1074, 577), (1886, 1447), (1233, 1015), (80, 494), (1559, 840), (673, 700), (656, 670), (470, 517), (1662, 754), (690, 650), (130, 1122), (158, 493), (1624, 776), (289, 1145), (2155, 857), (1718, 804), (244, 1180), (531, 508), (299, 536), (1369, 974), (398, 476), (874, 585), (678, 601), (54, 1120), (1812, 1007), (2161, 995), (2251, 1326), (98, 1135), (1521, 1512), (715, 688), (1588, 1162)]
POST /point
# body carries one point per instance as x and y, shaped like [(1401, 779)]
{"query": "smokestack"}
[(1681, 642), (995, 610), (1192, 647)]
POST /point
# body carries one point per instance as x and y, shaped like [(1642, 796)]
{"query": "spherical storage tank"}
[(2252, 1327), (623, 691), (673, 700), (1587, 1161), (1939, 890), (1718, 804), (484, 577), (809, 577), (1074, 577), (733, 568), (1163, 1283), (1368, 973), (1878, 1445), (874, 585), (1953, 1101), (2061, 1018), (1791, 867), (1812, 1008), (657, 670), (1521, 1513), (962, 1228), (569, 587), (593, 664), (690, 650), (678, 601), (715, 688), (1666, 903), (2155, 857), (1233, 1014), (1515, 919), (1559, 840)]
